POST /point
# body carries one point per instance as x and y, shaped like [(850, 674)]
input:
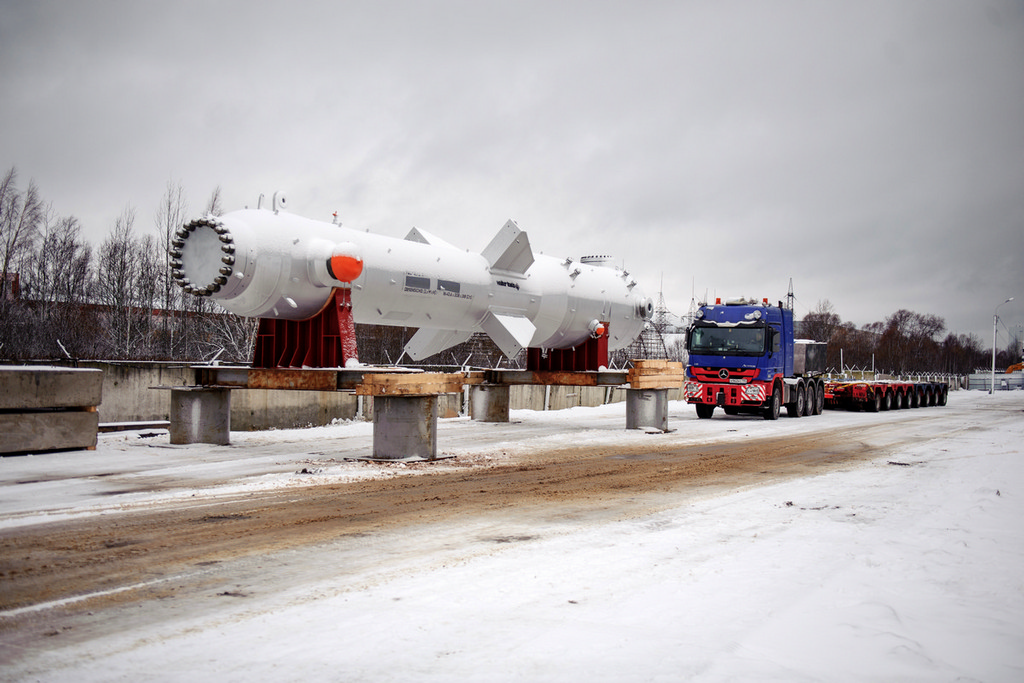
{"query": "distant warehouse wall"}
[(127, 396)]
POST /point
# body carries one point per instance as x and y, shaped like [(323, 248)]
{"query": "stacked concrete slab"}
[(48, 408)]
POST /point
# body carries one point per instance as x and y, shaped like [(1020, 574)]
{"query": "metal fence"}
[(1004, 382)]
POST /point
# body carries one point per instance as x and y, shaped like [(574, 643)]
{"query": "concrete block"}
[(27, 387), (47, 431)]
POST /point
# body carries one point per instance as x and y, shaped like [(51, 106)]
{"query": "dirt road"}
[(109, 560)]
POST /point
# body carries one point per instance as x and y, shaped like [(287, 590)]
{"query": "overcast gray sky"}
[(871, 151)]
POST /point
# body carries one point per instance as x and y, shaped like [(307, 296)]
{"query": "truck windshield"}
[(727, 341)]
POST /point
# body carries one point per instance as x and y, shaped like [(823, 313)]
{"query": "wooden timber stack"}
[(416, 384), (656, 374)]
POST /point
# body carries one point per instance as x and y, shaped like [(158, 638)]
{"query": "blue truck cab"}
[(744, 358)]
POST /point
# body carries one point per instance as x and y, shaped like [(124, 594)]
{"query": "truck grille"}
[(714, 374)]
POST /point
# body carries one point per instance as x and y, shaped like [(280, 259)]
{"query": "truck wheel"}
[(875, 403), (943, 395), (705, 411), (887, 401), (796, 409), (819, 407), (811, 400), (771, 412)]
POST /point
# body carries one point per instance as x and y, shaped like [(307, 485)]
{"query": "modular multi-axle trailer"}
[(744, 357), (884, 394)]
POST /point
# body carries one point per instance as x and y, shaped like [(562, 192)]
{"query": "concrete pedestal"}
[(647, 409), (200, 415), (490, 402), (405, 427)]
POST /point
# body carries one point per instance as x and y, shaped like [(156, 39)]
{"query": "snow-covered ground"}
[(906, 567)]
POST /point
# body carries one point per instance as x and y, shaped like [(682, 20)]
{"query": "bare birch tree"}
[(21, 215), (59, 282), (117, 272), (229, 337), (213, 205), (821, 323), (170, 216)]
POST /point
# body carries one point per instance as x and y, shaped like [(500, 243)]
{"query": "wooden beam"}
[(422, 384)]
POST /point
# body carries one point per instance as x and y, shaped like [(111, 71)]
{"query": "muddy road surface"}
[(190, 544)]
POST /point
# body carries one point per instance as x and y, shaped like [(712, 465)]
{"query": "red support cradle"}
[(327, 340), (590, 356)]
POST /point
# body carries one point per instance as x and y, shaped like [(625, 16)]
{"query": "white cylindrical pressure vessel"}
[(273, 264)]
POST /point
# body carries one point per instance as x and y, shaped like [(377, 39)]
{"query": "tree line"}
[(904, 343), (60, 298)]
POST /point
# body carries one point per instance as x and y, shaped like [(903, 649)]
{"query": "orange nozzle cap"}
[(344, 267)]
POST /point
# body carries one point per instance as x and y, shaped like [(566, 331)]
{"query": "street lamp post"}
[(995, 321)]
